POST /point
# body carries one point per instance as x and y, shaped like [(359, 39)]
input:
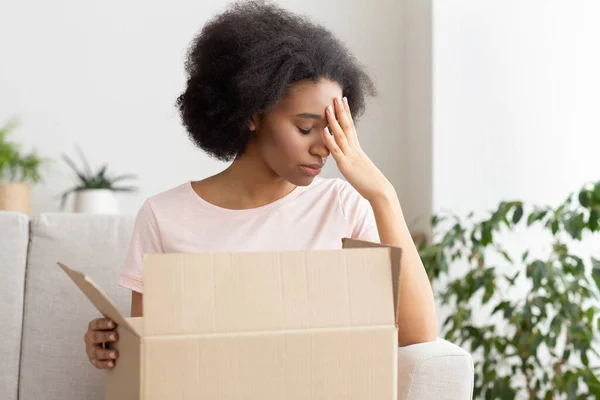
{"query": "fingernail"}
[(345, 100), (111, 364), (330, 109), (113, 354), (112, 336), (110, 324)]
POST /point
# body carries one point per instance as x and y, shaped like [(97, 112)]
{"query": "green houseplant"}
[(539, 316), (94, 191), (18, 171)]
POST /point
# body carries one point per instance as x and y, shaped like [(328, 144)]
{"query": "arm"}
[(416, 317), (145, 239), (417, 320)]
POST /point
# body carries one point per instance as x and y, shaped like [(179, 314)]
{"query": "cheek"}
[(285, 146)]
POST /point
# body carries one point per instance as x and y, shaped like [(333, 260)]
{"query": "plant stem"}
[(558, 366), (528, 384)]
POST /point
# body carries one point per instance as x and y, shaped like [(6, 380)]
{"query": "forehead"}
[(311, 96)]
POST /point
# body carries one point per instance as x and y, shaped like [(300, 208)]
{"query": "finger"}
[(342, 116), (352, 136), (338, 133), (98, 353), (103, 364), (333, 147), (98, 337), (101, 324), (347, 108)]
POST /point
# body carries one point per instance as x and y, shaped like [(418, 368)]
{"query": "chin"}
[(301, 180)]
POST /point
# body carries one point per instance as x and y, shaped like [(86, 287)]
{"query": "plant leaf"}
[(574, 225), (505, 255), (101, 172), (597, 192), (594, 220), (513, 278), (71, 164), (87, 169), (554, 227), (596, 272), (125, 189), (518, 214), (123, 177), (584, 198)]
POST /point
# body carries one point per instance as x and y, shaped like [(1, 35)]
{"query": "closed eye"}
[(304, 132)]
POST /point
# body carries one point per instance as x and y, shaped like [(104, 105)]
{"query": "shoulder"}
[(172, 196), (163, 203), (171, 199)]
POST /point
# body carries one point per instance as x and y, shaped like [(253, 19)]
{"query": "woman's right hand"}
[(100, 331)]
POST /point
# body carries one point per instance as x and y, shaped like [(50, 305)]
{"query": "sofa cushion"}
[(14, 237), (54, 364)]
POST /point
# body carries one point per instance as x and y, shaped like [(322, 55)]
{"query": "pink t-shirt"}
[(313, 217)]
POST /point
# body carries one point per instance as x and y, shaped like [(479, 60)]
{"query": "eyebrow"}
[(310, 116)]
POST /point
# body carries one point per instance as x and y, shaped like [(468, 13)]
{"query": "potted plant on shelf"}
[(18, 171), (94, 191)]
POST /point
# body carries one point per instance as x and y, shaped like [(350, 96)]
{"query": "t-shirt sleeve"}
[(145, 239), (358, 213)]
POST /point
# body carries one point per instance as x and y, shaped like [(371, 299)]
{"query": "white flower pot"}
[(96, 201)]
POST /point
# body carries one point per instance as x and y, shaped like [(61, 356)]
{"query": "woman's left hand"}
[(342, 141)]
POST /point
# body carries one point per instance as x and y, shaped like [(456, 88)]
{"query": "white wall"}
[(417, 113), (516, 100), (106, 75)]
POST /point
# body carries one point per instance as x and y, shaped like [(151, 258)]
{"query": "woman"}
[(275, 94)]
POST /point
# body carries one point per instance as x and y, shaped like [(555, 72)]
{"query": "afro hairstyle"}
[(243, 62)]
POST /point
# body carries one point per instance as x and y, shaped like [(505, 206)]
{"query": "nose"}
[(319, 149)]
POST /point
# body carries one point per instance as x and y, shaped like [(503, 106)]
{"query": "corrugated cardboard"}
[(263, 325)]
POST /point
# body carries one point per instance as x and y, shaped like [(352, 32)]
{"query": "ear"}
[(254, 123)]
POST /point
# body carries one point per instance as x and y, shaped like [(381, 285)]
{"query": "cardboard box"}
[(263, 325)]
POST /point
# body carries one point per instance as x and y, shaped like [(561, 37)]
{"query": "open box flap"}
[(395, 258), (98, 298)]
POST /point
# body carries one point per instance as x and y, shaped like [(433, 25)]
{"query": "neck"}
[(251, 181)]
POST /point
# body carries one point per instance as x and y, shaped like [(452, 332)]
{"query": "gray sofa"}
[(43, 315)]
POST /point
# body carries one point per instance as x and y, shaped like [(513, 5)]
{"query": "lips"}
[(312, 169), (314, 166)]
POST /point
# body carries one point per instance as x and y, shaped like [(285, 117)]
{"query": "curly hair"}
[(243, 62)]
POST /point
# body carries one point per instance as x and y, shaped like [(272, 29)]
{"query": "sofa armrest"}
[(437, 370)]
